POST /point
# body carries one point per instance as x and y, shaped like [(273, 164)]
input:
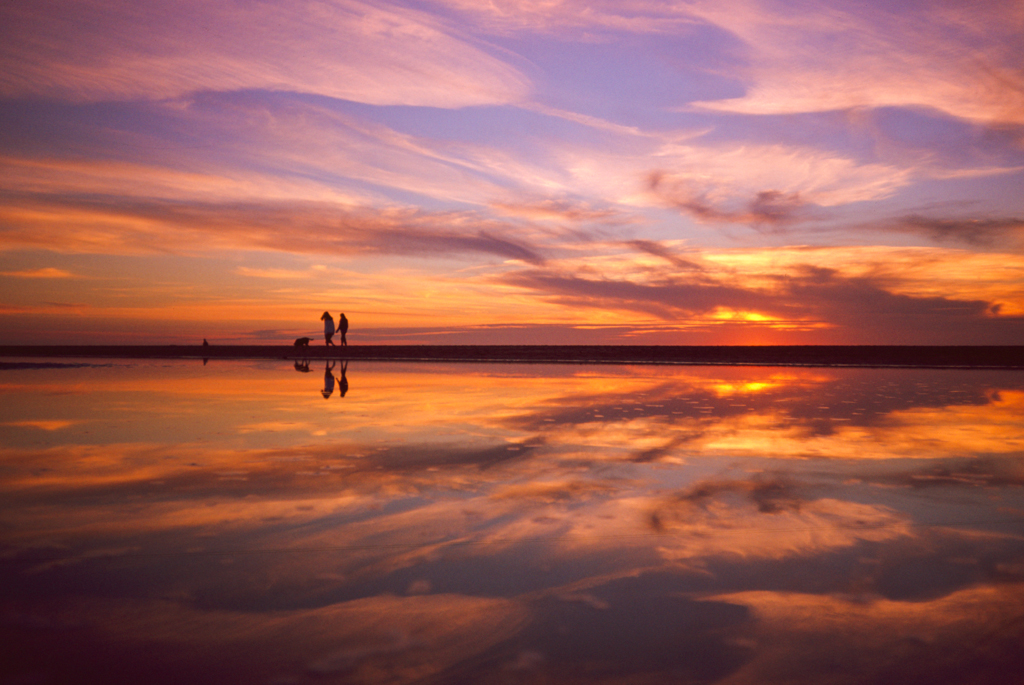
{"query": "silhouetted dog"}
[(302, 342)]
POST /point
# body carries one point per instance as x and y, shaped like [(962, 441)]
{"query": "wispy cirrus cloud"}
[(829, 56), (263, 145), (740, 181), (118, 225), (789, 174), (366, 52), (841, 56), (560, 210), (588, 19)]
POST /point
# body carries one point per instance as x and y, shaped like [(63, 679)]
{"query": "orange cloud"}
[(44, 272), (839, 294), (118, 225), (935, 638)]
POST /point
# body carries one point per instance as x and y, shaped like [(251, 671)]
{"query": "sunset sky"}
[(514, 171)]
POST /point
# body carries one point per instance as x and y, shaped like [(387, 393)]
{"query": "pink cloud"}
[(767, 208), (838, 56), (85, 51)]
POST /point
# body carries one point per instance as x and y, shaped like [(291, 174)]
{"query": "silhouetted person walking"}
[(343, 328), (328, 327)]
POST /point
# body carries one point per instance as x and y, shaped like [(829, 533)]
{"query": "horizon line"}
[(1004, 357)]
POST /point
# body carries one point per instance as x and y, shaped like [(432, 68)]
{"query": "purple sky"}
[(514, 172)]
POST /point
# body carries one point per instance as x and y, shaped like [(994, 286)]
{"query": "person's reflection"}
[(302, 365), (343, 382), (328, 380)]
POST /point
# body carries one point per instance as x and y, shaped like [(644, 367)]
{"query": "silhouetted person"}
[(343, 328), (343, 382), (206, 344), (328, 378), (328, 327)]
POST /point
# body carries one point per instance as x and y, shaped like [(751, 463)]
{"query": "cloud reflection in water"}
[(498, 523)]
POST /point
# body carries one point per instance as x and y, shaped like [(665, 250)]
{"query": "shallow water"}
[(260, 522)]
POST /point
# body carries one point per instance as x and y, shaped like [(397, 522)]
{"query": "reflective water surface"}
[(271, 522)]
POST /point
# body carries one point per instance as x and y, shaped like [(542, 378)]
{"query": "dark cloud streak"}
[(306, 227), (976, 232), (668, 299), (862, 306), (768, 208), (659, 250)]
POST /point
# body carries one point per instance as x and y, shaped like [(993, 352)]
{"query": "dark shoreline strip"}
[(980, 357)]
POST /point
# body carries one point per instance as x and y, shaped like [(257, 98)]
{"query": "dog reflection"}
[(302, 365)]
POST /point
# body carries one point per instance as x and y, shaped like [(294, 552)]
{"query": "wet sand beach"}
[(991, 357), (314, 522)]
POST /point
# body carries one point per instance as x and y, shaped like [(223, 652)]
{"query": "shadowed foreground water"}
[(280, 522)]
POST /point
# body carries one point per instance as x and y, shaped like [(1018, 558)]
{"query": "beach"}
[(314, 521), (898, 356)]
